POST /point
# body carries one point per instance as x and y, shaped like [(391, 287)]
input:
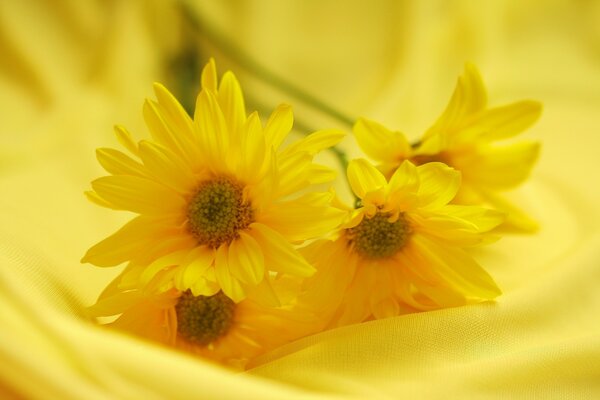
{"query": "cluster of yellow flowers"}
[(235, 251)]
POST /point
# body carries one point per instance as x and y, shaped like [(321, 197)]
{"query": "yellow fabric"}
[(70, 70)]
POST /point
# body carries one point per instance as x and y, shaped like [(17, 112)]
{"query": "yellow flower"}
[(403, 248), (463, 137), (217, 195), (213, 327)]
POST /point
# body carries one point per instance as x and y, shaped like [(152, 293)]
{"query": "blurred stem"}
[(245, 60)]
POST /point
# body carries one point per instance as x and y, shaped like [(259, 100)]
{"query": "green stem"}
[(246, 61)]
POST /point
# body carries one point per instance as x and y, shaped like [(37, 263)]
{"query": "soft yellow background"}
[(71, 69)]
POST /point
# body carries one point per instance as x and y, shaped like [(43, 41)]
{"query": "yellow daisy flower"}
[(403, 249), (463, 137), (217, 195), (213, 327)]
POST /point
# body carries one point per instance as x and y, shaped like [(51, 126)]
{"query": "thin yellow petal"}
[(469, 98), (503, 122), (118, 163), (279, 125), (194, 267), (138, 194), (264, 294), (166, 167), (231, 100), (455, 267), (229, 284), (364, 177), (303, 218), (168, 260), (317, 141), (209, 76), (279, 255), (438, 184), (499, 167), (246, 260), (124, 137), (212, 129), (125, 244), (254, 154), (173, 112), (380, 143)]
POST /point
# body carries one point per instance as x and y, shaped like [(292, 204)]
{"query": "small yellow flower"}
[(217, 195), (213, 327), (403, 248), (463, 137)]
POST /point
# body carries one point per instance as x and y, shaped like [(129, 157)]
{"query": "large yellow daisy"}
[(213, 327), (464, 137), (218, 195), (403, 249)]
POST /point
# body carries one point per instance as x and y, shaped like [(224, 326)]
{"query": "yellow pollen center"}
[(218, 211), (377, 237), (203, 319)]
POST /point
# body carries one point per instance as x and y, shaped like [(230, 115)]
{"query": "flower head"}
[(213, 327), (404, 247), (463, 137), (218, 195)]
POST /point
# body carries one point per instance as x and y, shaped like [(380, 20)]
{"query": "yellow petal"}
[(317, 141), (364, 177), (194, 266), (124, 137), (169, 260), (469, 98), (138, 194), (246, 261), (405, 179), (125, 244), (279, 125), (212, 130), (503, 122), (118, 163), (166, 167), (165, 134), (516, 219), (438, 184), (229, 284), (484, 219), (279, 255), (173, 113), (231, 100), (454, 267), (94, 198), (292, 172), (264, 294), (380, 143), (500, 167), (115, 304), (317, 174), (303, 218), (209, 76), (253, 155)]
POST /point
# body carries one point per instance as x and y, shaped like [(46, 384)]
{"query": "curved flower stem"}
[(245, 60)]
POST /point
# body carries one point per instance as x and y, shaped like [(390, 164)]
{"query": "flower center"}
[(218, 211), (421, 159), (377, 237), (203, 319)]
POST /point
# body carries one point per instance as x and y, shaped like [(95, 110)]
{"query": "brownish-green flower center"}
[(421, 159), (218, 211), (377, 237), (203, 319)]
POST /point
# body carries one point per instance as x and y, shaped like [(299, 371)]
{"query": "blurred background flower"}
[(70, 70)]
